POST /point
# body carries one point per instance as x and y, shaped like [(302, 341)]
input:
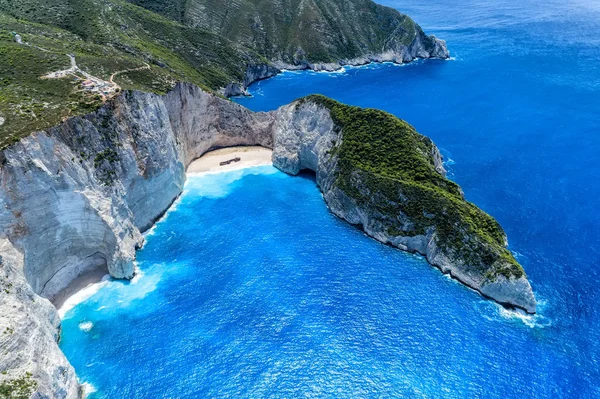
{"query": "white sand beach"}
[(67, 298), (249, 156)]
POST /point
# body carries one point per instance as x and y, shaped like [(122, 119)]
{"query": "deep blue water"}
[(250, 288)]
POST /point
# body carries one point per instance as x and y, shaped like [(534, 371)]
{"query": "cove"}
[(250, 287)]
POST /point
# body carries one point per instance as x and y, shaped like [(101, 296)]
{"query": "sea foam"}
[(82, 296)]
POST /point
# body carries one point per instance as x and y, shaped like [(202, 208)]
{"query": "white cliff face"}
[(201, 121), (78, 196), (303, 134), (29, 328)]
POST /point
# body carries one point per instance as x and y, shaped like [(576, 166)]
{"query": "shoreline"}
[(248, 156), (207, 163), (86, 283), (335, 67), (82, 282)]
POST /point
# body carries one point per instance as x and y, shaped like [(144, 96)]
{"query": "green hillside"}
[(387, 167), (90, 50), (105, 37), (296, 31)]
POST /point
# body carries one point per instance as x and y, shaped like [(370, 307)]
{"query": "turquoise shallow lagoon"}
[(251, 288)]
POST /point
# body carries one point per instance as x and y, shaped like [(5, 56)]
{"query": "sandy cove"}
[(207, 163)]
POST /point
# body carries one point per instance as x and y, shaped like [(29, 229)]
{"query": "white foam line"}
[(87, 389), (81, 296), (229, 169), (537, 320), (344, 68)]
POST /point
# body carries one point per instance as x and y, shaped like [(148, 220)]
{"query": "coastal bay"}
[(231, 268)]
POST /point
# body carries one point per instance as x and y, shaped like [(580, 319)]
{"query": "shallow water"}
[(250, 288)]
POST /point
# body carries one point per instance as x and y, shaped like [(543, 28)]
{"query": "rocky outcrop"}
[(306, 137), (78, 197), (29, 328), (422, 47), (254, 73)]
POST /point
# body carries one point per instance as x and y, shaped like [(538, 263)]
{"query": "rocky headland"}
[(77, 197), (421, 47)]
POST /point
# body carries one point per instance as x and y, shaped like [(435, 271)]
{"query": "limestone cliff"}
[(78, 196), (29, 328), (376, 172)]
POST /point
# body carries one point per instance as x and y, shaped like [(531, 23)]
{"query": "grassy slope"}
[(19, 388), (394, 160), (106, 36), (326, 30)]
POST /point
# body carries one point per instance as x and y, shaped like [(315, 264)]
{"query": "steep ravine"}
[(80, 195)]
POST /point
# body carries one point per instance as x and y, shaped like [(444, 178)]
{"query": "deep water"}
[(250, 288)]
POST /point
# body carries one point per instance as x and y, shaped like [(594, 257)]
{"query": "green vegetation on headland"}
[(384, 162)]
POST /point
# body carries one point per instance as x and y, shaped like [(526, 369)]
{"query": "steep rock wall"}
[(78, 196), (29, 328), (422, 46)]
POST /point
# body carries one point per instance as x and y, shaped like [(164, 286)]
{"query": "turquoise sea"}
[(250, 288)]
